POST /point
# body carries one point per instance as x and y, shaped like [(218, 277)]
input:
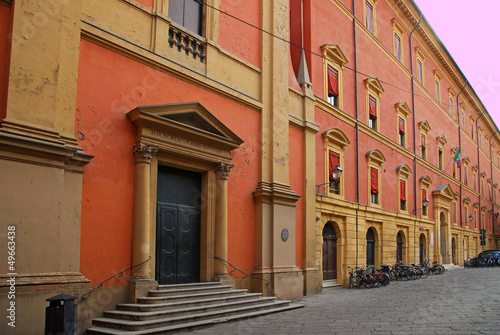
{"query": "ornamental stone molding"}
[(144, 153), (222, 170)]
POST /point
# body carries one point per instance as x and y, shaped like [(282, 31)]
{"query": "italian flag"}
[(458, 158)]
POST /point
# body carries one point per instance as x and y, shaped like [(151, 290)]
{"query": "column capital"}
[(144, 153), (222, 170)]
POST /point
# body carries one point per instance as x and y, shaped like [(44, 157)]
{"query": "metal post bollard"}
[(60, 316)]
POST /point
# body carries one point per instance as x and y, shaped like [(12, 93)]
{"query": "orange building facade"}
[(175, 138)]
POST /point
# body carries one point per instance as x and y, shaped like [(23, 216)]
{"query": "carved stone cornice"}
[(144, 153), (222, 170), (275, 193)]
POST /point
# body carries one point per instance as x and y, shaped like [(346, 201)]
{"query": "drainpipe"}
[(492, 196), (357, 123), (460, 178), (414, 142), (479, 171)]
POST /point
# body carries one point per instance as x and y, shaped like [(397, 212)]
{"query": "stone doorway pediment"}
[(184, 129), (443, 194)]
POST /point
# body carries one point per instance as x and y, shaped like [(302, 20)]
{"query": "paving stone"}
[(465, 301)]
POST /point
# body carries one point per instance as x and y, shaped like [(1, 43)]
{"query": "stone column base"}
[(225, 279), (139, 288), (312, 281), (286, 282)]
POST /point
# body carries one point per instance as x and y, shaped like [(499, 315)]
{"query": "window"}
[(451, 96), (472, 128), (437, 84), (474, 176), (454, 211), (334, 161), (402, 139), (373, 92), (397, 45), (440, 158), (466, 215), (483, 176), (398, 33), (404, 172), (187, 13), (475, 217), (372, 121), (334, 61), (333, 86), (462, 113), (451, 106), (335, 143), (425, 183), (424, 129), (370, 17), (465, 163), (402, 194), (375, 160), (374, 186), (420, 57)]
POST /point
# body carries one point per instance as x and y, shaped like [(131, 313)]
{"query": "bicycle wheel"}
[(386, 280), (353, 282)]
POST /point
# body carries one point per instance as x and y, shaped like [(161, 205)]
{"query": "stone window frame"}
[(335, 58), (373, 89), (335, 140), (425, 128), (466, 203), (437, 85), (475, 207), (373, 4), (399, 31), (425, 183), (474, 176), (420, 57), (404, 172), (403, 111), (375, 159), (465, 164), (481, 187), (451, 96), (441, 142)]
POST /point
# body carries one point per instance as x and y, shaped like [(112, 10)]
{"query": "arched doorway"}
[(370, 247), (329, 252), (454, 251), (423, 248), (399, 247), (444, 237)]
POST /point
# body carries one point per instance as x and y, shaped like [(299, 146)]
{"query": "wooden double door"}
[(178, 222)]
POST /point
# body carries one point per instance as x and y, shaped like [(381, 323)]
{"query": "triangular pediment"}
[(184, 129), (333, 52), (444, 191)]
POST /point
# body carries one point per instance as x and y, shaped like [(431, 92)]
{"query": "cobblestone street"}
[(464, 301)]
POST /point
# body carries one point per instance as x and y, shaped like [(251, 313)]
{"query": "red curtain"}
[(373, 106), (424, 195), (374, 180), (402, 185), (334, 159), (333, 82), (401, 125), (423, 141)]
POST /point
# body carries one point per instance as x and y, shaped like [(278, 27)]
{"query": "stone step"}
[(131, 325), (192, 325), (187, 297), (451, 267), (188, 303), (184, 290), (156, 314)]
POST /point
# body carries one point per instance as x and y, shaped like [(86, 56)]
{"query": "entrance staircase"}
[(177, 308)]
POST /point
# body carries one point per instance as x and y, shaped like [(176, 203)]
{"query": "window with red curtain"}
[(334, 159), (374, 180), (402, 190), (373, 106), (423, 141), (424, 196), (333, 82), (398, 46), (401, 125)]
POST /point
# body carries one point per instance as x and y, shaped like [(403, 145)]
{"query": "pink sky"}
[(470, 30)]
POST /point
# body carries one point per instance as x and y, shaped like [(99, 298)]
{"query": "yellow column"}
[(142, 204), (220, 267)]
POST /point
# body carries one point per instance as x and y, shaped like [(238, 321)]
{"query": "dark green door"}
[(178, 226)]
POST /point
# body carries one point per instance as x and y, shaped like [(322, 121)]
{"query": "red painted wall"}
[(236, 34), (147, 3), (297, 180), (4, 56), (110, 85)]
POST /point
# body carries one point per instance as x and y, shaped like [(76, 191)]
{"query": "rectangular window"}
[(451, 106), (440, 158), (420, 68), (187, 13), (374, 185), (397, 41), (333, 86), (423, 145), (334, 161), (369, 17), (475, 182), (465, 176), (463, 120), (401, 132), (437, 90), (482, 186), (424, 196), (454, 212), (372, 122), (402, 191), (475, 219)]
